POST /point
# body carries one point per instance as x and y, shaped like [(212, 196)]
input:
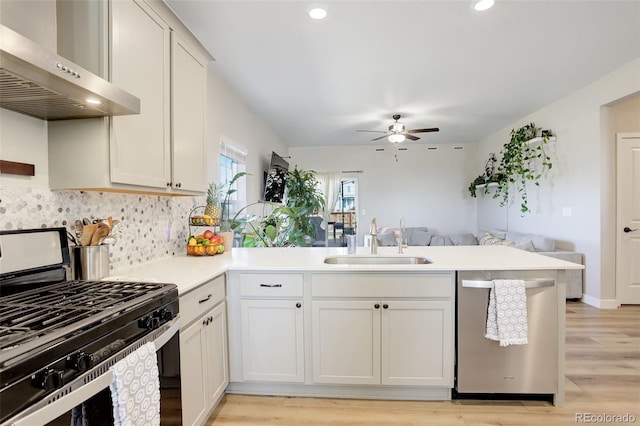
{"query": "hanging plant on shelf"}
[(523, 160), (489, 176)]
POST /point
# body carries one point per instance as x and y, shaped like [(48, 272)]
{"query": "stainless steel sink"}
[(376, 260)]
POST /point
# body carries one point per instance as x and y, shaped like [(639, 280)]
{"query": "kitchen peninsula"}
[(296, 325)]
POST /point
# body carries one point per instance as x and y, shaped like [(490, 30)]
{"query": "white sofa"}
[(421, 236)]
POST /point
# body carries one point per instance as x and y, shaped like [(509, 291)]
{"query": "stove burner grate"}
[(28, 315)]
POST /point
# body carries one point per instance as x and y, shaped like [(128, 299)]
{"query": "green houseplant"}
[(303, 199), (288, 224), (521, 162), (226, 222)]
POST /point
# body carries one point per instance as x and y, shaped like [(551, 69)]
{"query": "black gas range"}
[(59, 337)]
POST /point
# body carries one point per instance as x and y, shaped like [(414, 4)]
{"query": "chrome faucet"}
[(373, 232), (401, 238)]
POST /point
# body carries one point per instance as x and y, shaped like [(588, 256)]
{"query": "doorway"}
[(628, 218)]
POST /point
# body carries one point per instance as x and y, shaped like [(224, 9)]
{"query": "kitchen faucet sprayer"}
[(373, 231)]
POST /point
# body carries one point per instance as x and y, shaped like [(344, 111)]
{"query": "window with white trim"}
[(232, 161)]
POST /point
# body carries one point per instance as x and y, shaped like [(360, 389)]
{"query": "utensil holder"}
[(90, 262)]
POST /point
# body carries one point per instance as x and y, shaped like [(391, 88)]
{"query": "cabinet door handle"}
[(377, 306), (271, 285), (627, 229), (385, 306), (169, 184), (206, 299), (298, 305)]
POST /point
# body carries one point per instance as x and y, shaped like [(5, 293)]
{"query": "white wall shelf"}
[(538, 140), (491, 185)]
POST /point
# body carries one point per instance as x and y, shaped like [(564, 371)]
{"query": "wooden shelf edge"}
[(15, 168)]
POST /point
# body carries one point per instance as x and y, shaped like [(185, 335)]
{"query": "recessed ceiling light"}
[(483, 5), (318, 13), (93, 101)]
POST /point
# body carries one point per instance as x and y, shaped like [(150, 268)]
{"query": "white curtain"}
[(330, 187)]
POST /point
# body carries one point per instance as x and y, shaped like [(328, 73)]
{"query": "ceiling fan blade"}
[(432, 129), (377, 139), (371, 131), (413, 138)]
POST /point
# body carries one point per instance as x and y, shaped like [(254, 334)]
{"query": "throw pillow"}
[(387, 239), (439, 240), (491, 240), (467, 239), (419, 238), (528, 246)]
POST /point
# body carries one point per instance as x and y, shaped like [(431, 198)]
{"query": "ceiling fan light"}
[(396, 138), (483, 5), (397, 127)]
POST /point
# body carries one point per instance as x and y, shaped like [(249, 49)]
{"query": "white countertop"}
[(188, 272)]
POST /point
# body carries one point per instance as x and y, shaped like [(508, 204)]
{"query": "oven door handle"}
[(66, 403)]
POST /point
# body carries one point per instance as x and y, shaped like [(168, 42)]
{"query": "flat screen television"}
[(275, 181)]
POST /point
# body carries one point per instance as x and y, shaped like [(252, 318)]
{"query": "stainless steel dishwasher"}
[(482, 365)]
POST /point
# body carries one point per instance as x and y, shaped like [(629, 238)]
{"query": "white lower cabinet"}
[(203, 351), (382, 342), (357, 334), (194, 382), (272, 340), (346, 341), (417, 343)]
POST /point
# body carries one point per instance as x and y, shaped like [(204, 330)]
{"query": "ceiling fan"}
[(397, 132)]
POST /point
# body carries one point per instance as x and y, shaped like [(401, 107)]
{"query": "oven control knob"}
[(81, 361), (164, 314), (145, 322), (155, 322), (48, 379)]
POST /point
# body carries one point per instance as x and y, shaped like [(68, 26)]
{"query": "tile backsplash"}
[(151, 227)]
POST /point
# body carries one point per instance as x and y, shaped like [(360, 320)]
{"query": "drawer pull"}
[(206, 299), (271, 285)]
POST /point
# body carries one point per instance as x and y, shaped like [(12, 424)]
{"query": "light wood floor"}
[(602, 378)]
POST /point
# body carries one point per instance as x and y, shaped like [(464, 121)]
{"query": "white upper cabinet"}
[(147, 51), (140, 63), (188, 95)]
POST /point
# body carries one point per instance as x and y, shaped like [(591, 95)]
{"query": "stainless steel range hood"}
[(39, 83)]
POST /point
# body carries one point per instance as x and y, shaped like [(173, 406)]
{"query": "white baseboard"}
[(600, 303)]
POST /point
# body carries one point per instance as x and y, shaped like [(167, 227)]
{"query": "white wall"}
[(232, 119), (575, 180), (428, 188)]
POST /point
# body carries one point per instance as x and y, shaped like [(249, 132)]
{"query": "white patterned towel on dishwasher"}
[(507, 313), (135, 389)]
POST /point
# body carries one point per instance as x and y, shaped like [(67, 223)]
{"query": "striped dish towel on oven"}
[(507, 313), (135, 390)]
